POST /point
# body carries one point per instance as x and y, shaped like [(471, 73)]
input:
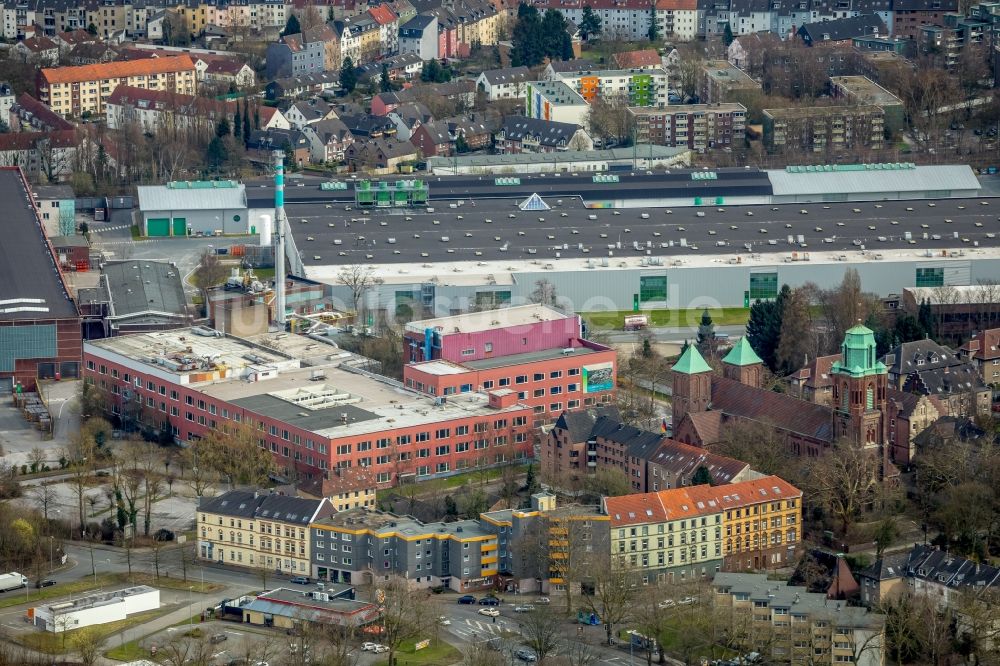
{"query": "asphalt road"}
[(482, 230)]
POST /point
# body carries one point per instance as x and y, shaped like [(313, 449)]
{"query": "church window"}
[(870, 398)]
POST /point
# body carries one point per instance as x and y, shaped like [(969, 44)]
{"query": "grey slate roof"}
[(842, 29), (416, 25), (507, 75), (932, 369), (260, 505), (548, 133)]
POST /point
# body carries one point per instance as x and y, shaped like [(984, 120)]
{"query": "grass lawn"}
[(438, 653), (615, 319), (50, 643), (447, 482), (86, 584)]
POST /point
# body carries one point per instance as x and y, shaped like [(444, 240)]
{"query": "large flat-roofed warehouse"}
[(197, 208), (39, 323)]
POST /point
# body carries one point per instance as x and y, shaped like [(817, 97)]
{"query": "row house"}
[(388, 28), (701, 127), (924, 367), (72, 91), (625, 20), (677, 19), (419, 35), (461, 91), (360, 38), (155, 111), (479, 23), (257, 530), (924, 570), (447, 32), (38, 50), (301, 53), (310, 427), (686, 533), (584, 442), (27, 114), (520, 134), (41, 154), (295, 86)]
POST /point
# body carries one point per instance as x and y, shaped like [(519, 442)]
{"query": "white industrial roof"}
[(227, 195), (919, 179), (472, 322)]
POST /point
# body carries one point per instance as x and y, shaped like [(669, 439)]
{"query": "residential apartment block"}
[(554, 100), (790, 625), (862, 90), (700, 127), (682, 533), (639, 87), (257, 530), (312, 416), (723, 82), (824, 129), (72, 91), (354, 546)]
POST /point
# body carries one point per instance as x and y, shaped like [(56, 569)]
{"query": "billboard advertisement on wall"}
[(598, 377)]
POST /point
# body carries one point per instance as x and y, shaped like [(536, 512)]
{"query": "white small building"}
[(94, 609), (508, 83)]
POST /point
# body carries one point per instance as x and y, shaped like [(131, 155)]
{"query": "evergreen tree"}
[(530, 481), (796, 332), (567, 52), (348, 76), (654, 28), (553, 31), (925, 318), (647, 348), (216, 154), (706, 333), (92, 29), (246, 121), (330, 16), (764, 328), (450, 507), (237, 122), (702, 477), (590, 23), (727, 35), (292, 26), (908, 329), (222, 128), (290, 164), (384, 84), (461, 145), (527, 38), (431, 71)]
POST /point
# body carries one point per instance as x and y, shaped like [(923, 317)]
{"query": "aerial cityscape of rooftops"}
[(484, 332)]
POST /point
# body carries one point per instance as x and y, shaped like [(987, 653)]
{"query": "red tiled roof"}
[(222, 66), (744, 493), (178, 103), (43, 112), (594, 4), (39, 44), (28, 140), (642, 58), (816, 374), (684, 459), (785, 412), (986, 345), (708, 426), (77, 37), (677, 5), (118, 70), (382, 14)]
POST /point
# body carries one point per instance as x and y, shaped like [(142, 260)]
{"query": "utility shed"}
[(871, 182), (194, 208)]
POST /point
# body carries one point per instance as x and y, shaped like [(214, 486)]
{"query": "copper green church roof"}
[(691, 362), (742, 354)]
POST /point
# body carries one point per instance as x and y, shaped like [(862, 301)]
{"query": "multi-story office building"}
[(824, 129), (313, 415), (533, 351), (251, 529), (359, 546), (700, 127), (72, 91), (682, 533), (789, 625)]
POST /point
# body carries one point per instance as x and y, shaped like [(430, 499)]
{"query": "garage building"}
[(191, 208)]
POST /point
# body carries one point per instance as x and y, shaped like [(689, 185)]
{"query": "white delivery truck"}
[(12, 581)]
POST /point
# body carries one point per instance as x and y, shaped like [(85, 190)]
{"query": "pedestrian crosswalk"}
[(117, 227), (472, 629)]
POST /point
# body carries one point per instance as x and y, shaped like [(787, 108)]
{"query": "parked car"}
[(218, 638), (489, 612), (525, 654), (489, 601), (666, 603), (379, 649), (467, 599), (300, 580), (524, 608), (444, 621), (368, 647), (544, 600), (45, 582)]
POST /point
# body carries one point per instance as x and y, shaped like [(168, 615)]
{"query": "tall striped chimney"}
[(279, 236)]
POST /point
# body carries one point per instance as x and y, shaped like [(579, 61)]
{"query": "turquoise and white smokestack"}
[(279, 237)]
